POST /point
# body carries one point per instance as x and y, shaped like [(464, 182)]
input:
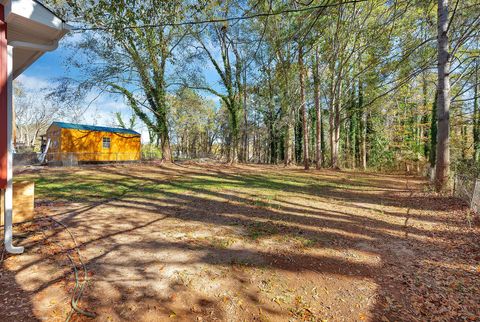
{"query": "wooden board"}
[(23, 201)]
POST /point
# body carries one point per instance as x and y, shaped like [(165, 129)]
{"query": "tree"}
[(194, 124), (433, 133), (228, 66), (476, 114), (371, 63), (318, 112), (443, 99), (129, 60), (132, 122), (33, 115), (303, 107)]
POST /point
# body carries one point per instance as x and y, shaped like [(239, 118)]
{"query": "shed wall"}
[(88, 145)]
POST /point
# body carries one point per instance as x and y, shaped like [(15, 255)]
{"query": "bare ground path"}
[(210, 242)]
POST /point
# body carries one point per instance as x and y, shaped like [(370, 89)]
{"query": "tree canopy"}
[(359, 84)]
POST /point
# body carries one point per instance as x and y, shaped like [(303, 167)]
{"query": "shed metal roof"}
[(74, 126)]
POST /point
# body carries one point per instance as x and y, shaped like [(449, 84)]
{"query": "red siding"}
[(3, 100)]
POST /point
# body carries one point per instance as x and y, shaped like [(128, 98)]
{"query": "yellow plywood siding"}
[(88, 145)]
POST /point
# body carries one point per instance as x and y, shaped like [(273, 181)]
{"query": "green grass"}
[(259, 190), (222, 243), (258, 229), (79, 188)]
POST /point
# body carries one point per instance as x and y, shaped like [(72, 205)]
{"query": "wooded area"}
[(280, 151), (342, 84)]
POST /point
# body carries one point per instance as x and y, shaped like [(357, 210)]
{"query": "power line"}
[(216, 20)]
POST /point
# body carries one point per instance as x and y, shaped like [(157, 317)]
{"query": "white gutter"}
[(34, 46), (8, 200)]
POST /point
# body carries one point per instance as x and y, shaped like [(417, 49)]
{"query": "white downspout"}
[(8, 200)]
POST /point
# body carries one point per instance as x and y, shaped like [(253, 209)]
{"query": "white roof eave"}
[(32, 29)]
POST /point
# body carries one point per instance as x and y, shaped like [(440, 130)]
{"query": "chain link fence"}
[(466, 186), (467, 189)]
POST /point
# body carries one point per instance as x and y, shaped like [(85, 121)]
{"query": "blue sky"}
[(52, 65)]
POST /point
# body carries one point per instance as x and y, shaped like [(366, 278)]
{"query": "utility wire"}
[(216, 20)]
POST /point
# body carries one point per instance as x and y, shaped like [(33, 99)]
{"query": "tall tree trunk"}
[(464, 141), (336, 128), (303, 108), (272, 143), (476, 117), (298, 139), (352, 129), (289, 115), (443, 107), (331, 117), (245, 118), (311, 123), (318, 111), (233, 156), (364, 140), (330, 132), (287, 145), (424, 133), (433, 132), (166, 151), (163, 138), (322, 140), (361, 131), (271, 126)]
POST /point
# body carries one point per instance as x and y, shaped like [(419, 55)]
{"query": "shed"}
[(71, 142)]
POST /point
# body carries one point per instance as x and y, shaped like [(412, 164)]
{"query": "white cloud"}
[(33, 83), (102, 109)]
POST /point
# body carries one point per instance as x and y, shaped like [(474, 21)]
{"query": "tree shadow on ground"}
[(16, 303), (139, 243)]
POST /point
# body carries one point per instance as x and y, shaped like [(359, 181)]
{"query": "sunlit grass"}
[(258, 189)]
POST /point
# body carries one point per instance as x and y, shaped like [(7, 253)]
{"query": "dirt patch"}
[(210, 242)]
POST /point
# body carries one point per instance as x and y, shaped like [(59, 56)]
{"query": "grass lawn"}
[(209, 242)]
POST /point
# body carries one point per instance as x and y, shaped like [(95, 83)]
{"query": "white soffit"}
[(32, 29)]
